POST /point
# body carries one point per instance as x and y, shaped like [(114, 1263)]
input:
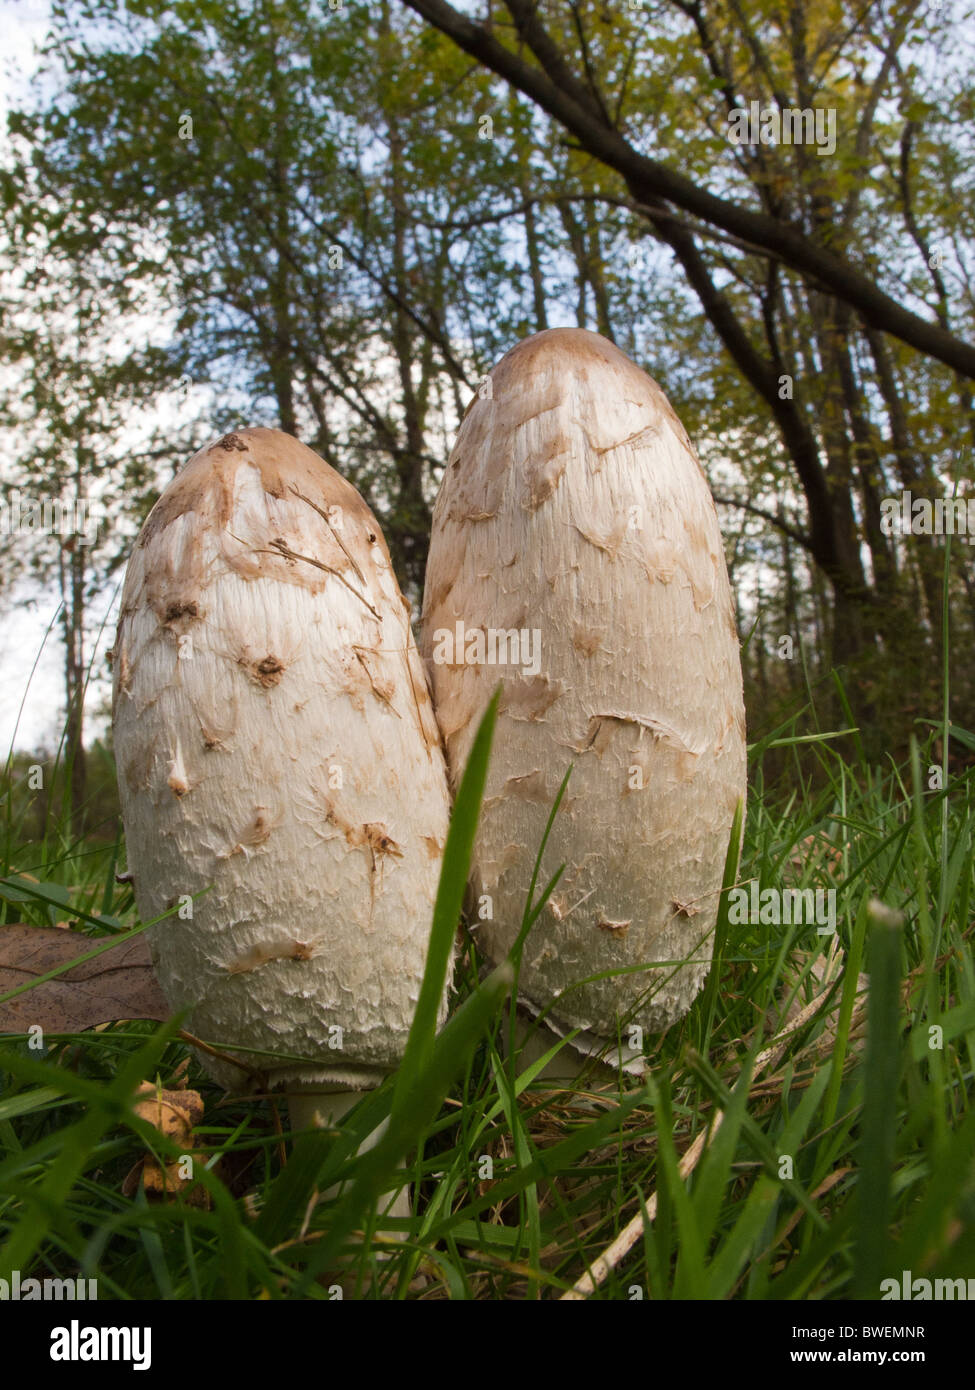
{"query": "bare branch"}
[(557, 90)]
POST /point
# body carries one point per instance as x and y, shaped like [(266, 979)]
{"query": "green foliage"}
[(769, 1065), (309, 210), (336, 221)]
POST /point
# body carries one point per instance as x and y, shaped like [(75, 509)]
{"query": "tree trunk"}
[(72, 576), (282, 349), (408, 531)]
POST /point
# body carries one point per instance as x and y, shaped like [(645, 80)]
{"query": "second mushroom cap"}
[(576, 557)]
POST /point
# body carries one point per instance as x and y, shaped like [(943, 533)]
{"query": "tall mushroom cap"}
[(279, 764), (575, 531)]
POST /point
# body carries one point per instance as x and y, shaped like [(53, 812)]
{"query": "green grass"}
[(762, 1159)]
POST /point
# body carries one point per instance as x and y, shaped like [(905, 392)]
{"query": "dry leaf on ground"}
[(118, 984), (174, 1114)]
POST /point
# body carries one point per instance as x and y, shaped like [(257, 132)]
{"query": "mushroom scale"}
[(576, 557), (281, 774)]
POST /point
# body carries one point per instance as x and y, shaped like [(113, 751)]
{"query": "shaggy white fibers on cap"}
[(278, 755), (576, 557)]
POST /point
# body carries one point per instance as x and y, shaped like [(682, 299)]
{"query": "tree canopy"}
[(343, 213)]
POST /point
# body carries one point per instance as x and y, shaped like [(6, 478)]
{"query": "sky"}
[(23, 621), (22, 23)]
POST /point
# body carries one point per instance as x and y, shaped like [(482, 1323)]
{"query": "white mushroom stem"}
[(309, 1109), (597, 1058)]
